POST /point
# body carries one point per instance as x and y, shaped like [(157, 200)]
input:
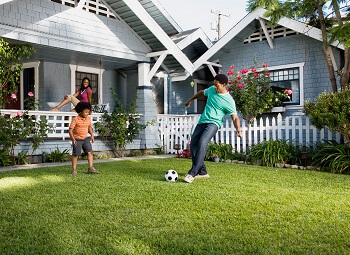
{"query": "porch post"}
[(146, 107)]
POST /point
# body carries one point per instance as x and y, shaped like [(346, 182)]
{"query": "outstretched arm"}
[(237, 124), (196, 96)]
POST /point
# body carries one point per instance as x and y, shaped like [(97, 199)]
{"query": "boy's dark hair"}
[(221, 78), (81, 106)]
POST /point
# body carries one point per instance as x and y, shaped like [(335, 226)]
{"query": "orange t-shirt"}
[(80, 127)]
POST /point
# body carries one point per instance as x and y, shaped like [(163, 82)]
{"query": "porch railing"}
[(60, 121), (177, 129)]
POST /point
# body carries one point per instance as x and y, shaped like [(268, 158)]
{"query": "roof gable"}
[(247, 21)]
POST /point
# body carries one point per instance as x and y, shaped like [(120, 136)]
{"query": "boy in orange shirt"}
[(78, 131)]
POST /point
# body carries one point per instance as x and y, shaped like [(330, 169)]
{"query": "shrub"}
[(331, 111), (5, 158), (333, 156), (222, 150), (58, 156), (120, 127), (271, 152)]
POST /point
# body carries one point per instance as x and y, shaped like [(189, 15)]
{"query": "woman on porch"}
[(84, 94)]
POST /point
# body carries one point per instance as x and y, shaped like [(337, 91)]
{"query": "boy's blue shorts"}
[(85, 144)]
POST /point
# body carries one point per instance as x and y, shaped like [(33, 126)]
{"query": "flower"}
[(215, 155), (240, 85), (265, 65), (229, 72), (230, 82), (229, 89), (30, 94), (244, 71), (13, 96), (288, 92), (19, 114), (268, 74), (256, 75), (239, 78), (232, 67), (253, 70)]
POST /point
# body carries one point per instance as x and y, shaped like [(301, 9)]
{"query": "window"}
[(95, 76), (287, 79), (93, 81), (200, 102)]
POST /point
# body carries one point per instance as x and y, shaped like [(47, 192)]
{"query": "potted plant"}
[(215, 157)]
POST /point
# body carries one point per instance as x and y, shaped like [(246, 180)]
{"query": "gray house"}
[(136, 48), (124, 45), (292, 49)]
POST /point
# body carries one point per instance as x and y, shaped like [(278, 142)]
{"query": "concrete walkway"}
[(31, 166)]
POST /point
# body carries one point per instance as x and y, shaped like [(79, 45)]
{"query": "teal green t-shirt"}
[(217, 106)]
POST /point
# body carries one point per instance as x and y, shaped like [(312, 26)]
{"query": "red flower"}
[(240, 85), (268, 74), (288, 92), (229, 89), (19, 114), (229, 73), (232, 67), (230, 82), (239, 78), (243, 71), (235, 81), (13, 96), (30, 94), (256, 75), (253, 70), (265, 65)]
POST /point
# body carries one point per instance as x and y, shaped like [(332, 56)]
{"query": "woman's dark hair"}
[(82, 84), (81, 106)]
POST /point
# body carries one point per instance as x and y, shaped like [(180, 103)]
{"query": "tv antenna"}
[(218, 27)]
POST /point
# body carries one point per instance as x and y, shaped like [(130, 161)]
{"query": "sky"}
[(190, 14)]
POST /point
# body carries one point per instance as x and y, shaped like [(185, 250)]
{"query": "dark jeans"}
[(201, 136)]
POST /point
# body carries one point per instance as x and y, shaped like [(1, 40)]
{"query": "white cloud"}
[(192, 14)]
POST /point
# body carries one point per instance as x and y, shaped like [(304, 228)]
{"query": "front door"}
[(28, 78)]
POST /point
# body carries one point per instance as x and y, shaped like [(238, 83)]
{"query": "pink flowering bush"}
[(251, 91), (282, 96)]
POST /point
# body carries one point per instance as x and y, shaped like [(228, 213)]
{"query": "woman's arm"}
[(76, 94), (90, 97)]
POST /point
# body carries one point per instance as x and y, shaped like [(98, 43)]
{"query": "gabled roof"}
[(155, 10), (249, 21)]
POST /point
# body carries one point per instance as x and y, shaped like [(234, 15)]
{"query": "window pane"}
[(94, 83)]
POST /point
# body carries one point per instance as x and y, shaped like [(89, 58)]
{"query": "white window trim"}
[(195, 91), (301, 81), (34, 65), (86, 69)]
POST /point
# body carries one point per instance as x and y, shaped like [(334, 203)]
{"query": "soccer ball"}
[(171, 175)]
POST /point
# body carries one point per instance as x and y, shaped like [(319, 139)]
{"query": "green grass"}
[(130, 209)]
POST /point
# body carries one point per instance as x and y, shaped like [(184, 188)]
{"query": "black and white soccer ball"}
[(171, 175)]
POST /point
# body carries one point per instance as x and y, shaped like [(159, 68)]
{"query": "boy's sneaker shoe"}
[(201, 176), (188, 178), (74, 172), (92, 170)]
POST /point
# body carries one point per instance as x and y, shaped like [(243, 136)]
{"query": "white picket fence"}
[(177, 129), (60, 121)]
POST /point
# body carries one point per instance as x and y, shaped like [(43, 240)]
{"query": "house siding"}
[(47, 23), (286, 50)]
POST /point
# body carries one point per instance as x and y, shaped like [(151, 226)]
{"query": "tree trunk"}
[(325, 47), (344, 80)]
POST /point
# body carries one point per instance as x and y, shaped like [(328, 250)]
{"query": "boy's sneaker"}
[(188, 178), (74, 172), (201, 176), (92, 170)]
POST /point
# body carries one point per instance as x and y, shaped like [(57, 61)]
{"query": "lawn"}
[(130, 209)]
